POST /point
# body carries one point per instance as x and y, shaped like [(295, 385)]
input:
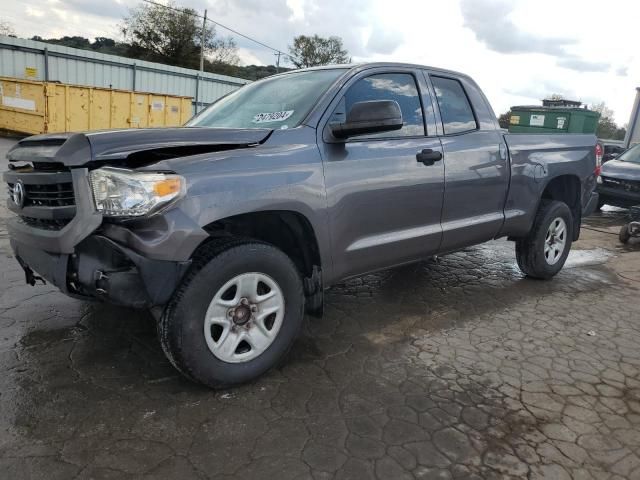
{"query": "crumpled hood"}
[(621, 170), (77, 149)]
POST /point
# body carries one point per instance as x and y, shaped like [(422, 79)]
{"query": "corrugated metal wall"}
[(33, 60)]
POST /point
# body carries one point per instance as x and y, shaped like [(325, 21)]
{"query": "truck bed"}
[(533, 159)]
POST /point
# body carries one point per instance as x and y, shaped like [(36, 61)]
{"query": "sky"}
[(519, 51)]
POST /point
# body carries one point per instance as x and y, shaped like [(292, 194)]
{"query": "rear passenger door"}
[(476, 174), (383, 204)]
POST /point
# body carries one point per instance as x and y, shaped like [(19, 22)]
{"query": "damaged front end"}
[(100, 269), (60, 235)]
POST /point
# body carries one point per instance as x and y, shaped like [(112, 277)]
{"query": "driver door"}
[(384, 205)]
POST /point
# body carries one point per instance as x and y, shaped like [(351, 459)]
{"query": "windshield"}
[(279, 102), (631, 155)]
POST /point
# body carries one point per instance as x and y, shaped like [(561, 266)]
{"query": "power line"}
[(194, 13)]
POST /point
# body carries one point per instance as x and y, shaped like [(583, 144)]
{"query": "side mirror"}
[(372, 116)]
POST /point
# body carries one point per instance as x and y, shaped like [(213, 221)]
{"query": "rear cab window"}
[(455, 109), (400, 87)]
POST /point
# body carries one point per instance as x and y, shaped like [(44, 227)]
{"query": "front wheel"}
[(625, 234), (236, 315), (543, 252)]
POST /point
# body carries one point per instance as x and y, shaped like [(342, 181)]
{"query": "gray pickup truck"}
[(231, 228)]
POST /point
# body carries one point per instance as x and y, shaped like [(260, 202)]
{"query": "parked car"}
[(611, 149), (231, 228), (619, 181)]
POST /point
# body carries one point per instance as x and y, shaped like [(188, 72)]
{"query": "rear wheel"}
[(236, 314), (543, 252)]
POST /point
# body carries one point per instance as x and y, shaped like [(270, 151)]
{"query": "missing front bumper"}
[(103, 270)]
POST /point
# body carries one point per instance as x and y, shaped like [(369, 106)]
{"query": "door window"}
[(455, 109), (400, 87)]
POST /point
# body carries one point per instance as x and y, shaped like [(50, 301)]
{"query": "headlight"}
[(124, 193)]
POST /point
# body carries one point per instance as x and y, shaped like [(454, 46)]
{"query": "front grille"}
[(48, 200), (632, 186), (47, 195), (53, 195)]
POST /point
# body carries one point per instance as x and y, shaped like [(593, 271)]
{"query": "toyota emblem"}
[(17, 195)]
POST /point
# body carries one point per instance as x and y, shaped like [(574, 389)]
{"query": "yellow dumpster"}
[(47, 107)]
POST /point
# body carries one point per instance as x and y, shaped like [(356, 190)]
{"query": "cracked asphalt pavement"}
[(456, 368)]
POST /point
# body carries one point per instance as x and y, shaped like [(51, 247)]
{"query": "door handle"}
[(428, 156)]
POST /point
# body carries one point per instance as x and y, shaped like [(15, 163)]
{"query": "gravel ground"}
[(456, 368)]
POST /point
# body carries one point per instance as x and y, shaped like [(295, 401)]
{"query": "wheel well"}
[(290, 231), (566, 188)]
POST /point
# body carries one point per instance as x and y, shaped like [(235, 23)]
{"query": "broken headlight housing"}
[(119, 192)]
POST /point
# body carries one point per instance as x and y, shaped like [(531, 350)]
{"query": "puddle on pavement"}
[(44, 337), (104, 374), (437, 295), (583, 258), (611, 217)]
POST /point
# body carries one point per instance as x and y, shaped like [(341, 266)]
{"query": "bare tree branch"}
[(7, 29)]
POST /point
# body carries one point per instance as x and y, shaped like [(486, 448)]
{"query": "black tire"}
[(181, 326), (601, 203), (624, 234), (530, 249)]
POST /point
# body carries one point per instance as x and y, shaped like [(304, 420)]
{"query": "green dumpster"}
[(535, 119)]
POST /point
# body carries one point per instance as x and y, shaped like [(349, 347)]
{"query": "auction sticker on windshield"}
[(272, 116)]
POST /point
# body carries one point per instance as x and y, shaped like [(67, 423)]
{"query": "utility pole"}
[(204, 29), (278, 61)]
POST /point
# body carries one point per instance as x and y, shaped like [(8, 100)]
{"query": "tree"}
[(602, 109), (73, 42), (316, 50), (113, 47), (504, 119), (101, 44), (7, 29), (170, 35), (607, 127)]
